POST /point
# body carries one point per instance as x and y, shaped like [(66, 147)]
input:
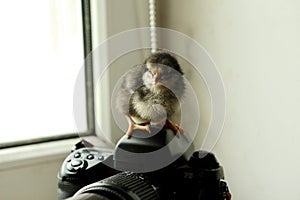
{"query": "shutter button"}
[(76, 163)]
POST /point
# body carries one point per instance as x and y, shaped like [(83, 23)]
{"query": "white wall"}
[(256, 46), (30, 172), (33, 182)]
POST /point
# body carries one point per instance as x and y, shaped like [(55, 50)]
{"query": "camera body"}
[(93, 170), (82, 167)]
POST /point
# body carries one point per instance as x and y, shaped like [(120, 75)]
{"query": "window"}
[(41, 54)]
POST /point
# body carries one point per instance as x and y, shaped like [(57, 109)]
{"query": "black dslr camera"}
[(117, 174)]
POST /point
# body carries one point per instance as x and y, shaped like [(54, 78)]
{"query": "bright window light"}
[(41, 49)]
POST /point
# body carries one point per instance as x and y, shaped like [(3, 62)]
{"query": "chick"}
[(151, 94)]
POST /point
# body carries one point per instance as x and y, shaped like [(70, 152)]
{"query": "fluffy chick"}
[(151, 93)]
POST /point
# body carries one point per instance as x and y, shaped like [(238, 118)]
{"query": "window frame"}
[(89, 88)]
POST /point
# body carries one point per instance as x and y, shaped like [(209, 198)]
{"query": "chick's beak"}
[(156, 76)]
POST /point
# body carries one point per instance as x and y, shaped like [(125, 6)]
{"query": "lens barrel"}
[(123, 186)]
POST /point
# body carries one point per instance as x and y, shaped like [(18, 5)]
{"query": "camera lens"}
[(123, 186), (88, 196)]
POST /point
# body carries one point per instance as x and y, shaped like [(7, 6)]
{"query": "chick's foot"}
[(174, 127)]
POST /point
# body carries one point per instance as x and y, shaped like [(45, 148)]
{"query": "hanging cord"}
[(153, 40)]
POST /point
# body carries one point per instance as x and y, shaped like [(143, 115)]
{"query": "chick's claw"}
[(174, 127), (133, 126)]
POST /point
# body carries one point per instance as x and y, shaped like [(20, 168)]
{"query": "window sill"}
[(28, 155)]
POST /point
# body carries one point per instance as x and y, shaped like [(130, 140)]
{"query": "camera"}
[(118, 175)]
